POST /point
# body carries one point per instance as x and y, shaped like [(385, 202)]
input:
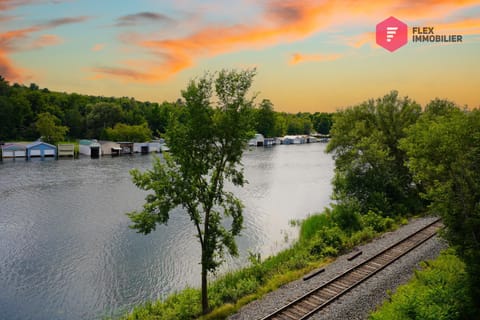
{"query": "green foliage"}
[(48, 127), (313, 223), (347, 216), (322, 122), (369, 167), (265, 119), (101, 116), (443, 149), (438, 292), (327, 242), (182, 305), (377, 222), (91, 116), (206, 146), (125, 132)]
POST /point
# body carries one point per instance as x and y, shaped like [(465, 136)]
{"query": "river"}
[(66, 251)]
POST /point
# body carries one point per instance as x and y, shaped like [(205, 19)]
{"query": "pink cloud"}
[(23, 39)]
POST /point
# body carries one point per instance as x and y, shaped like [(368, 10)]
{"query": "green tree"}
[(125, 132), (76, 122), (280, 128), (370, 168), (265, 119), (444, 151), (103, 115), (206, 146), (48, 126), (322, 122), (4, 87)]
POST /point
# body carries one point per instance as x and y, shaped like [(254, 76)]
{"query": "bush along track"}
[(437, 292)]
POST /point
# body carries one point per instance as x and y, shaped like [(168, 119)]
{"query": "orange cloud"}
[(298, 57), (98, 47), (281, 22), (7, 69), (361, 39), (467, 26)]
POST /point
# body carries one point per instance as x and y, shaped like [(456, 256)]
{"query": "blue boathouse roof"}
[(40, 145)]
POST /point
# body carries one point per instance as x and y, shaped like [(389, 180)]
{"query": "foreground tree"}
[(206, 146), (444, 151), (370, 168)]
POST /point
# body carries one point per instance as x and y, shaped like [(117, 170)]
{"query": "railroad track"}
[(318, 298)]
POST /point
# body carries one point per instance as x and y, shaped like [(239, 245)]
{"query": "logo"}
[(392, 34)]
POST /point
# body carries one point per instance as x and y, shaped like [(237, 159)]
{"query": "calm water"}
[(66, 251)]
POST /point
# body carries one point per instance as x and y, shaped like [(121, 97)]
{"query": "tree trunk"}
[(204, 286)]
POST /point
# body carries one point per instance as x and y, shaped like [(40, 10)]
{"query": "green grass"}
[(320, 239), (438, 292)]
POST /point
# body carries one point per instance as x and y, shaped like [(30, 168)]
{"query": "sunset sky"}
[(310, 55)]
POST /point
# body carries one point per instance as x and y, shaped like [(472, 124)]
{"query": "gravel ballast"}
[(357, 303)]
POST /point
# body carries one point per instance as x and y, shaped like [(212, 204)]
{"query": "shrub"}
[(438, 292), (347, 217), (310, 226), (377, 222)]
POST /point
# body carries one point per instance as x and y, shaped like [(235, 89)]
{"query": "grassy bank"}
[(322, 237), (438, 292)]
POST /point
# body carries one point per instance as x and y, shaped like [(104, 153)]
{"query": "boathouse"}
[(66, 150), (110, 148), (156, 145), (257, 141), (141, 147), (40, 149), (294, 140), (89, 148), (126, 147), (14, 150)]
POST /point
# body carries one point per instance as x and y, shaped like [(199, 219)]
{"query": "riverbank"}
[(321, 239)]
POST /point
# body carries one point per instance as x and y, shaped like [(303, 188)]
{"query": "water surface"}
[(66, 251)]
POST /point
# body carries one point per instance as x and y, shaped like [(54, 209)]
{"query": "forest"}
[(30, 112)]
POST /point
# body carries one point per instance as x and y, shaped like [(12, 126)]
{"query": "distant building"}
[(257, 141), (294, 140), (40, 149), (90, 148), (66, 150), (14, 150), (110, 148), (126, 147)]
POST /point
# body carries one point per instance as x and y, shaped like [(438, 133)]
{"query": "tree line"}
[(28, 112)]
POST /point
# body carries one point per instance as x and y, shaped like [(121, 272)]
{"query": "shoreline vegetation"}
[(322, 237), (28, 112)]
